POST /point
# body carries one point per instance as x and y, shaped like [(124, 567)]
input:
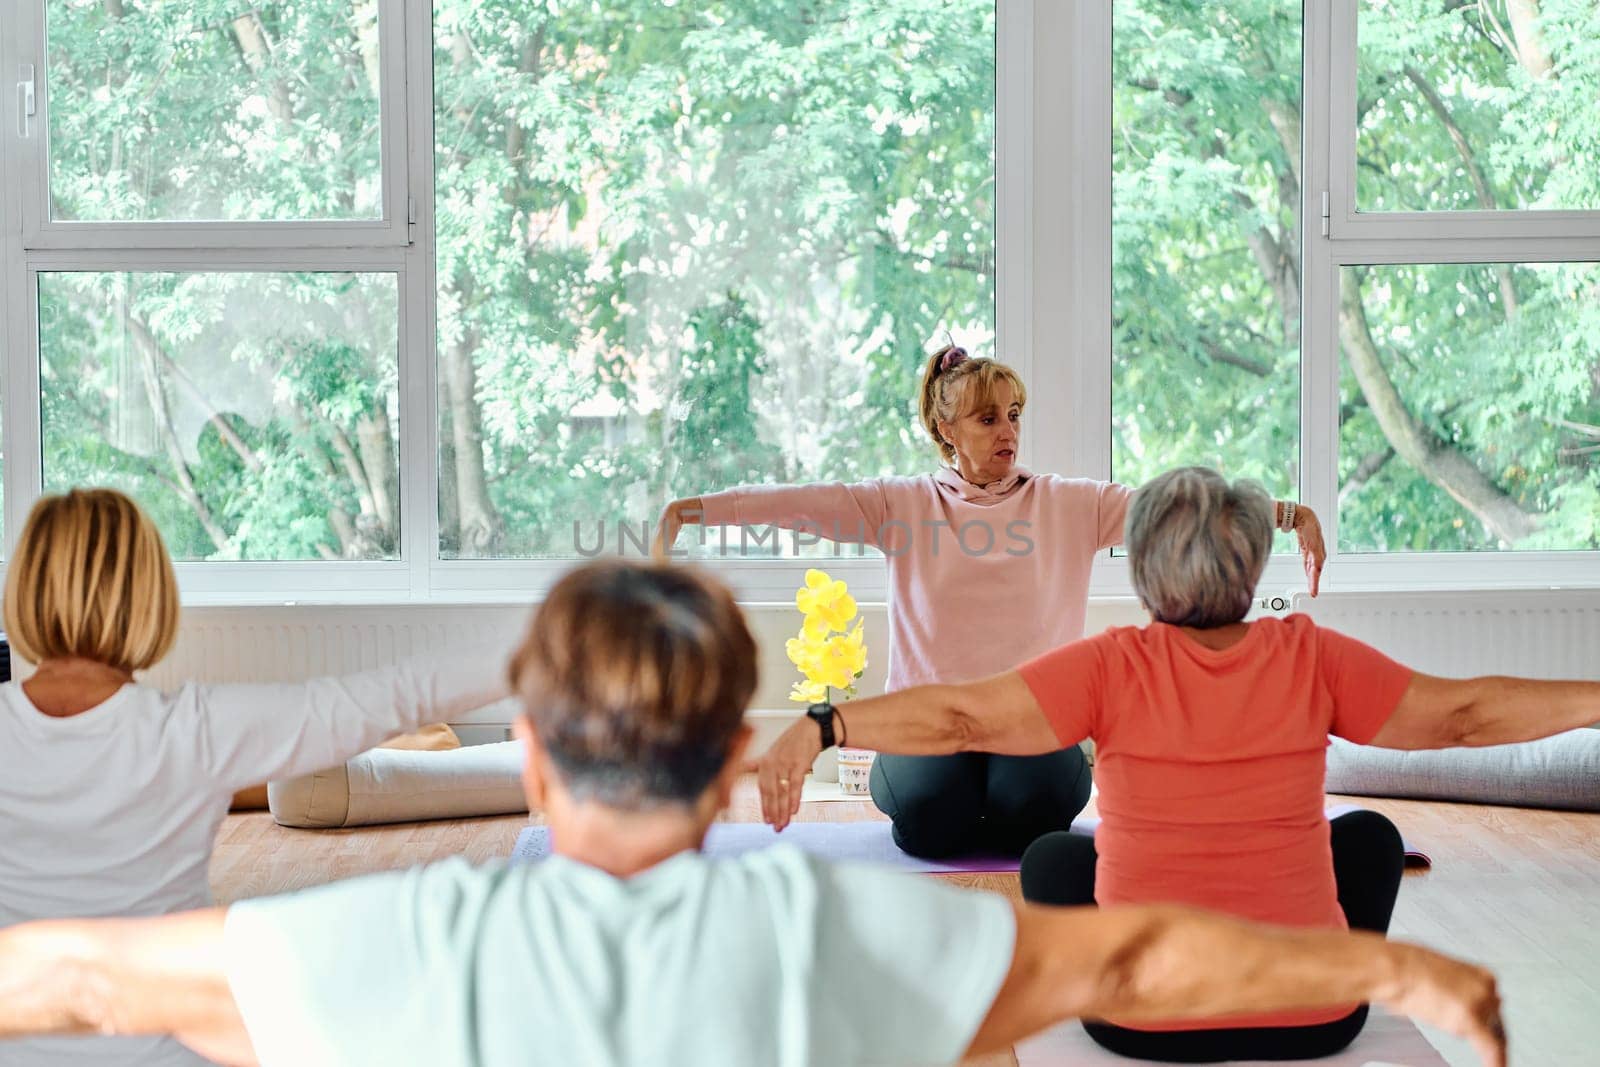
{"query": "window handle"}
[(26, 104)]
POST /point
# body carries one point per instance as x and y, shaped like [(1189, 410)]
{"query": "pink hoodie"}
[(981, 578)]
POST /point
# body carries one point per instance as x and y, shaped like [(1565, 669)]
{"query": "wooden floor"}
[(1516, 890)]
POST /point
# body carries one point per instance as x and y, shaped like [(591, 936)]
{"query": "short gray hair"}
[(1197, 546)]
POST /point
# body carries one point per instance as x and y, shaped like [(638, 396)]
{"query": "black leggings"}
[(1368, 861), (975, 803)]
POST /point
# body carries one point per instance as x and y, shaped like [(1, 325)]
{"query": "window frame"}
[(392, 227), (1347, 222), (1359, 238)]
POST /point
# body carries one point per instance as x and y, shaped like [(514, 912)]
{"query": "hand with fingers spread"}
[(781, 771)]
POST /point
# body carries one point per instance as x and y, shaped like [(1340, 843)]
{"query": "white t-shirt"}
[(113, 811), (773, 959)]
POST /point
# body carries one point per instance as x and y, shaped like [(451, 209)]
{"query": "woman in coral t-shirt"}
[(1210, 738)]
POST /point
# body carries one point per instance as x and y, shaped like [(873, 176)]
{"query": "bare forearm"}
[(1503, 710), (927, 720), (1158, 963), (123, 977), (1188, 964), (44, 983)]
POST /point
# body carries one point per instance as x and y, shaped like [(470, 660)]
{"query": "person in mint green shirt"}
[(628, 947)]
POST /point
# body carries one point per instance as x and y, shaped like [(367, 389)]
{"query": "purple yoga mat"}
[(850, 842)]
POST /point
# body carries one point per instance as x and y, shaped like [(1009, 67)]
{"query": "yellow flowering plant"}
[(830, 653)]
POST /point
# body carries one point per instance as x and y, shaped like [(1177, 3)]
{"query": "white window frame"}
[(40, 231), (1348, 223), (1360, 238)]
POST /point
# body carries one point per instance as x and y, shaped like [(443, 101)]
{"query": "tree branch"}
[(1370, 465), (1480, 184), (155, 390), (1434, 459)]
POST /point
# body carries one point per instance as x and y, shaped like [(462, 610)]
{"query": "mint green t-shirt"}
[(774, 958)]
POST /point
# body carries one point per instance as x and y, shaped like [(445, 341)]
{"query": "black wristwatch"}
[(822, 714)]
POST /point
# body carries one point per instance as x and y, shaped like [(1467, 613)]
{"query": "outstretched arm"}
[(1473, 712), (123, 977), (998, 714), (1152, 963), (847, 512), (249, 733)]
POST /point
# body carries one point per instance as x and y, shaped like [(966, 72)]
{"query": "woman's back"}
[(107, 812), (104, 813), (113, 811), (1211, 762)]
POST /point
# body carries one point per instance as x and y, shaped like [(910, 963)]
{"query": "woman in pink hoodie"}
[(988, 567)]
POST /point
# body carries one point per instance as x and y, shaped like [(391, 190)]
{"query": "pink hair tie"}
[(953, 358)]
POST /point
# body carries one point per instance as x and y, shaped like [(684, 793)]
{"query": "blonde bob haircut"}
[(91, 578)]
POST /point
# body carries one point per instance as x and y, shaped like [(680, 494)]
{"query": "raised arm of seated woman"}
[(1490, 710)]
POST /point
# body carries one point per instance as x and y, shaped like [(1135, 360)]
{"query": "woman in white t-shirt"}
[(111, 792)]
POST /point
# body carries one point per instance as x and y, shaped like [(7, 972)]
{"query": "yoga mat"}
[(854, 842), (1386, 1041)]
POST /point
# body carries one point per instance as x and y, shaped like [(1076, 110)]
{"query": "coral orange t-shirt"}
[(1210, 766)]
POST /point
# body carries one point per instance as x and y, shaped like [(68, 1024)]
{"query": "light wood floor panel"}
[(1516, 890)]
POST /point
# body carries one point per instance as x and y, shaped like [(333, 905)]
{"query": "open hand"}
[(781, 771)]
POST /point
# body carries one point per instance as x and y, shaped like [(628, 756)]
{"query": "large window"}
[(1206, 250), (687, 247), (1466, 169), (428, 298)]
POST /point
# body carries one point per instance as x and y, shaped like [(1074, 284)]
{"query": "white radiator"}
[(1536, 633)]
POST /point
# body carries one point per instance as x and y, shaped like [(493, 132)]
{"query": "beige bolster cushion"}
[(437, 737), (386, 785)]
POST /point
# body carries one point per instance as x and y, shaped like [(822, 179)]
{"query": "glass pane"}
[(683, 248), (1206, 239), (200, 110), (1469, 407), (1477, 106), (253, 415)]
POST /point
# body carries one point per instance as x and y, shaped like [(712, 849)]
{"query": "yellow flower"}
[(842, 659), (808, 692), (828, 660), (801, 651), (826, 599)]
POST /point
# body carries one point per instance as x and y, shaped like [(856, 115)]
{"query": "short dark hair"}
[(636, 677)]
